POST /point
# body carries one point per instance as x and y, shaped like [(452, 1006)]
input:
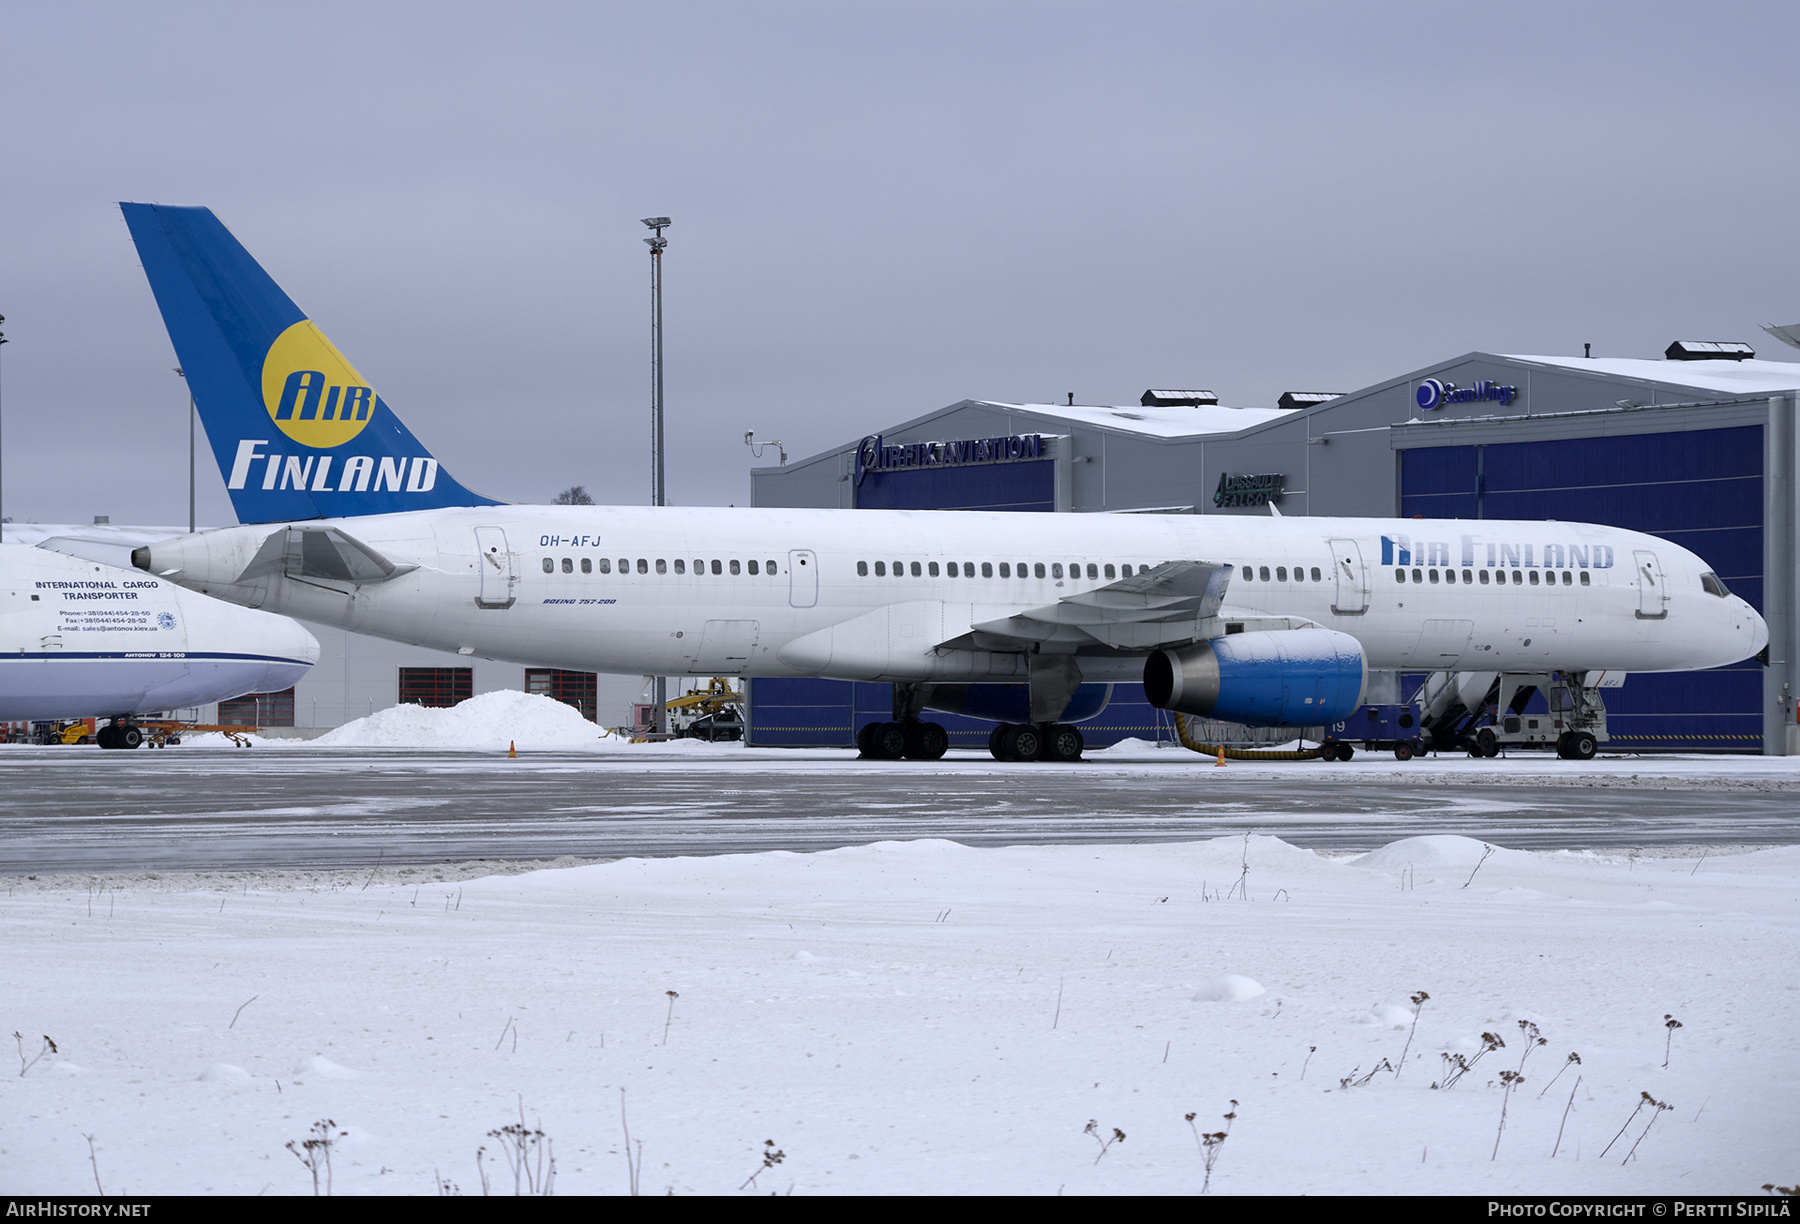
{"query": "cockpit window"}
[(1714, 584)]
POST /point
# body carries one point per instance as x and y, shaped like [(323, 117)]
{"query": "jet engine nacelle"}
[(1279, 678)]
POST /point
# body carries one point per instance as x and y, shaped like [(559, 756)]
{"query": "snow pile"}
[(1388, 1015), (1448, 852), (1231, 988), (489, 722)]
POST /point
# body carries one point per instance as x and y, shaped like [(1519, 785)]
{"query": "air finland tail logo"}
[(313, 395)]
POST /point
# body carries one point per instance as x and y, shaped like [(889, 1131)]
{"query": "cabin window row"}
[(1471, 577), (966, 569), (1255, 573), (661, 564)]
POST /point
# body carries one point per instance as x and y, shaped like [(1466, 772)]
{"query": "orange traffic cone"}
[(1221, 761), (512, 751)]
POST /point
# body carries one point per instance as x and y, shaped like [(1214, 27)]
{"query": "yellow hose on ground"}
[(1238, 754)]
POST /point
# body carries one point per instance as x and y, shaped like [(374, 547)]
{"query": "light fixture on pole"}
[(658, 490), (757, 448)]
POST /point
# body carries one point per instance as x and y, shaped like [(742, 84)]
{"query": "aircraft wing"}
[(1171, 604), (1789, 335), (1156, 606)]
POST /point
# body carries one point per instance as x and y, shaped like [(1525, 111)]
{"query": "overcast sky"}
[(879, 209)]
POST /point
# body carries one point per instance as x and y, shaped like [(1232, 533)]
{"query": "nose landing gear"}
[(1576, 746)]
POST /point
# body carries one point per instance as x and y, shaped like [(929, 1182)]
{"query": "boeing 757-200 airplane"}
[(1272, 622)]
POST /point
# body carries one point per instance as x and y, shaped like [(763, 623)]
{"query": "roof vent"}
[(1709, 350), (1177, 399), (1305, 399)]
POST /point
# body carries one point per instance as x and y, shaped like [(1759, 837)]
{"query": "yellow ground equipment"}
[(713, 713), (65, 731)]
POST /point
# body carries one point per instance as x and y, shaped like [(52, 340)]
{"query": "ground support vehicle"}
[(715, 713), (1575, 723), (1395, 727)]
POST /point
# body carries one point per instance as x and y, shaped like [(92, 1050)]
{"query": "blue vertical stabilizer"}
[(297, 432)]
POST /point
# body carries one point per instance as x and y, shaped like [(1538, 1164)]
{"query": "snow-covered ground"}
[(918, 1017)]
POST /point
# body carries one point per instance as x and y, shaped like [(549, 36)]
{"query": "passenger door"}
[(803, 578), (495, 561), (1352, 578), (1653, 594)]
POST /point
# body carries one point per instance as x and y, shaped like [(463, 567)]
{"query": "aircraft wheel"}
[(1582, 746), (1023, 742), (889, 742), (1403, 752), (926, 741), (107, 736), (865, 738), (1487, 742), (127, 737), (997, 741), (1063, 743)]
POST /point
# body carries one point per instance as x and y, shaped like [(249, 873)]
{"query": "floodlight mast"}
[(2, 452), (658, 482), (658, 485)]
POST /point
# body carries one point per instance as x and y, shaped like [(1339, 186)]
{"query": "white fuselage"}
[(751, 592), (79, 639)]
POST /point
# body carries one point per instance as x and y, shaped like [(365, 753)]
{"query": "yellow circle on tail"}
[(313, 395)]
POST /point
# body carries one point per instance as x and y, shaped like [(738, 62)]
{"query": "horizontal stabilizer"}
[(320, 554)]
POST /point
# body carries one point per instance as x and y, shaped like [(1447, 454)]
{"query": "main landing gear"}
[(926, 741), (119, 735), (911, 738), (1035, 742)]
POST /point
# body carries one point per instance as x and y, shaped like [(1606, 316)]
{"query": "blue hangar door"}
[(797, 713), (1702, 490)]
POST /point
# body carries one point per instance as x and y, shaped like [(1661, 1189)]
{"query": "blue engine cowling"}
[(1280, 678)]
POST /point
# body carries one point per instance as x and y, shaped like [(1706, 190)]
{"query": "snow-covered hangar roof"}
[(1727, 377), (1152, 422)]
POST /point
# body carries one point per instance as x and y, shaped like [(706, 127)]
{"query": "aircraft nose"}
[(1758, 629), (296, 642)]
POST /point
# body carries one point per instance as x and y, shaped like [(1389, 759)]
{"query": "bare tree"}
[(574, 495)]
